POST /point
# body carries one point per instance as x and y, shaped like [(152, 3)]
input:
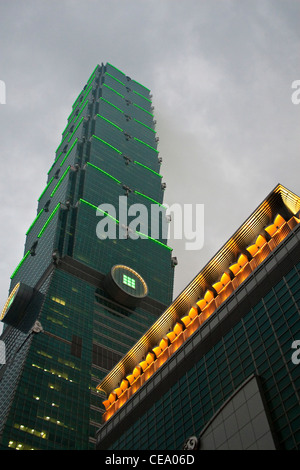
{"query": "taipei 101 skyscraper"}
[(80, 299)]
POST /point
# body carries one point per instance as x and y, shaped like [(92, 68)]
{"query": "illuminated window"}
[(129, 281), (59, 301)]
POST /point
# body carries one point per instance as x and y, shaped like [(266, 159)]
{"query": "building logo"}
[(2, 92), (135, 222), (296, 95), (296, 355), (2, 352), (191, 443)]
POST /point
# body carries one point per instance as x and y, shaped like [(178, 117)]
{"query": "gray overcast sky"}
[(220, 72)]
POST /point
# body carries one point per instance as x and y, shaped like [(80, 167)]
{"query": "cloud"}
[(220, 74)]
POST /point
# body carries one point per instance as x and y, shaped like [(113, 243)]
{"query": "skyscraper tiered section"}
[(80, 297)]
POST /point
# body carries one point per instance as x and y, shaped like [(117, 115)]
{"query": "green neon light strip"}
[(108, 102), (140, 107), (45, 189), (139, 94), (117, 80), (62, 141), (150, 199), (156, 241), (81, 109), (52, 165), (141, 85), (106, 143), (55, 162), (125, 76), (68, 152), (35, 220), (92, 76), (145, 125), (72, 112), (116, 69), (70, 138), (49, 220), (147, 168), (122, 96), (75, 102), (110, 122), (87, 91), (144, 143), (60, 181), (66, 126), (102, 171), (20, 264), (139, 233), (117, 93), (100, 210)]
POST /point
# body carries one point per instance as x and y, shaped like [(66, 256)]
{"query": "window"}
[(129, 281)]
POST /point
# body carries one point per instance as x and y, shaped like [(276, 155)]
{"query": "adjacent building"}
[(220, 368), (92, 279)]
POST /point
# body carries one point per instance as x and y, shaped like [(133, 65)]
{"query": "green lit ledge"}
[(50, 181), (142, 96), (114, 106), (141, 85), (104, 172), (122, 96), (116, 79), (110, 122), (106, 143), (149, 198), (118, 151), (92, 74), (124, 84), (147, 145), (72, 135), (39, 236), (81, 109), (20, 264), (72, 112), (97, 209), (69, 151), (116, 92), (89, 80), (121, 111), (147, 168), (140, 107), (49, 220), (143, 235), (145, 125), (62, 141), (60, 181), (35, 220), (119, 182), (122, 130), (120, 71)]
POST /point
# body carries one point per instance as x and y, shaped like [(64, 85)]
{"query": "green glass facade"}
[(250, 334), (108, 150)]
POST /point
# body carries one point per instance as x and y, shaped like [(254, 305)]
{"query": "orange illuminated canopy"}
[(274, 218)]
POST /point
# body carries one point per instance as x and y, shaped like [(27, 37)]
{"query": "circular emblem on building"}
[(125, 285), (191, 443), (9, 301), (14, 309)]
